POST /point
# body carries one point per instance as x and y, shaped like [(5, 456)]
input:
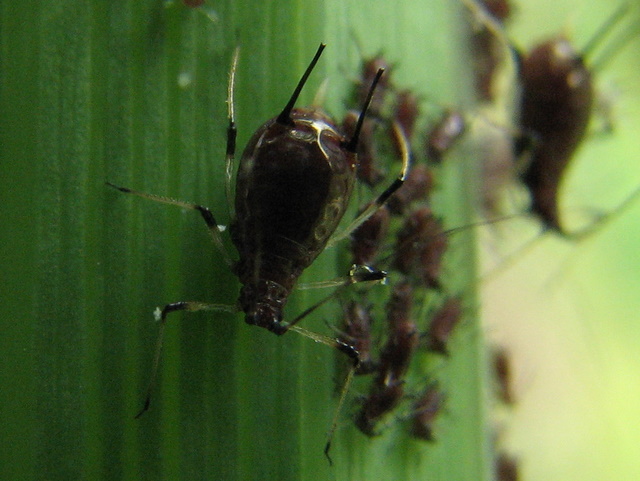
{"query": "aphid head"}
[(554, 69)]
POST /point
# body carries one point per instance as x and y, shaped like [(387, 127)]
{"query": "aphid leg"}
[(353, 354), (603, 31), (212, 224), (603, 220), (403, 144), (232, 133), (358, 273), (161, 316), (343, 396)]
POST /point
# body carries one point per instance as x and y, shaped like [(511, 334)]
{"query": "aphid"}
[(506, 468), (356, 332), (555, 107), (387, 389), (500, 9), (369, 70), (367, 240), (488, 52), (444, 134), (293, 186), (368, 170), (425, 411), (406, 111), (442, 325), (193, 3), (503, 376), (420, 246), (380, 402), (368, 163)]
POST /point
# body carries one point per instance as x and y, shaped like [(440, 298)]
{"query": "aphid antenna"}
[(604, 219), (361, 52), (514, 257), (285, 116), (403, 144)]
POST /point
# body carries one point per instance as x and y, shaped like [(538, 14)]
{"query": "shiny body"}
[(293, 186), (556, 103)]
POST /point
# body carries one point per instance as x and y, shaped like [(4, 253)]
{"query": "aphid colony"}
[(293, 186), (407, 240)]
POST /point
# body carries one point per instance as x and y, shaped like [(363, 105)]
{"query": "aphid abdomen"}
[(293, 187), (557, 99)]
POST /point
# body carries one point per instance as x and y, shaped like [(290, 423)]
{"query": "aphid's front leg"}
[(212, 224)]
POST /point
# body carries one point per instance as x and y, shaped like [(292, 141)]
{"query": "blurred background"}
[(569, 312)]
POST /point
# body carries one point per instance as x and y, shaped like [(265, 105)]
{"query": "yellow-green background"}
[(571, 313)]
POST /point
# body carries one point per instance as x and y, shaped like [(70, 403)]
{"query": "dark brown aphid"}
[(507, 468), (499, 9), (420, 246), (368, 239), (293, 186), (380, 402), (387, 389), (369, 70), (444, 134), (555, 108), (425, 411), (406, 111), (503, 376), (557, 97), (356, 332), (193, 3), (368, 170), (442, 325)]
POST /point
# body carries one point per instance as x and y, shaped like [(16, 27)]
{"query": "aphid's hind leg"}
[(212, 224), (353, 355), (161, 316)]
